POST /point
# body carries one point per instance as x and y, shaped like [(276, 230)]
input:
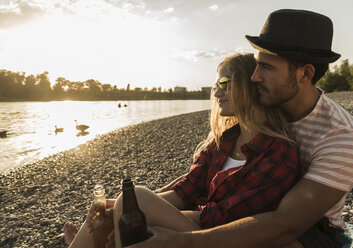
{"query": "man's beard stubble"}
[(282, 94)]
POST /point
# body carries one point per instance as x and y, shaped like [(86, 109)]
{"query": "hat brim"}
[(280, 50)]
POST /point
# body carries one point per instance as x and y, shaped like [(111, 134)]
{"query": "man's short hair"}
[(320, 69)]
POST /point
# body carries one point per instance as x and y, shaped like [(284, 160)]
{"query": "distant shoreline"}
[(95, 100), (6, 99)]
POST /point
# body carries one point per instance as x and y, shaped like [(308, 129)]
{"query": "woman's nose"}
[(218, 92)]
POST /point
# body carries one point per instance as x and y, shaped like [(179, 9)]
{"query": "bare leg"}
[(193, 215), (83, 238), (158, 212)]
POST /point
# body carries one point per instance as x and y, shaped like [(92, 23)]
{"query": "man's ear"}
[(308, 72)]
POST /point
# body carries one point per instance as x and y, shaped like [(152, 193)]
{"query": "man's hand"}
[(161, 238)]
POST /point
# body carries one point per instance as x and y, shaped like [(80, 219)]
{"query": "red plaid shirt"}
[(270, 170)]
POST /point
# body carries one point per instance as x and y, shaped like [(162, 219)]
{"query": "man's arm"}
[(300, 208)]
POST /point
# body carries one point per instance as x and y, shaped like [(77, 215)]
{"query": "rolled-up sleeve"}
[(193, 186)]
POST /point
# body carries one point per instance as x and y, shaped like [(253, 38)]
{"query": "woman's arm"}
[(193, 186), (169, 186)]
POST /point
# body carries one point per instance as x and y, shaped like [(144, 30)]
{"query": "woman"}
[(244, 167)]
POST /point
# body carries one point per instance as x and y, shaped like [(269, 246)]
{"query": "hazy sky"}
[(147, 43)]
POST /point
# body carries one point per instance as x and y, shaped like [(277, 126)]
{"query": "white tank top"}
[(232, 163)]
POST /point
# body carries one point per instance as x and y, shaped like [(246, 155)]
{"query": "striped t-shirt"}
[(325, 141)]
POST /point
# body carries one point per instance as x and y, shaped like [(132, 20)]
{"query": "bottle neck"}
[(129, 197), (99, 199)]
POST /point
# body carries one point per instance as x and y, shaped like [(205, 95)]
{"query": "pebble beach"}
[(37, 199)]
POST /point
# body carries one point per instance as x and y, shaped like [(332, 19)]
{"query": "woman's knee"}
[(142, 194)]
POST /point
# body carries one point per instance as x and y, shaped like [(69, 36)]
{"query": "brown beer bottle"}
[(132, 223), (101, 223)]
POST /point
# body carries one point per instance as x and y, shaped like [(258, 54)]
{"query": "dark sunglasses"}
[(222, 83)]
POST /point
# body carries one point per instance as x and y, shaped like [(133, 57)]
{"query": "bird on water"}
[(81, 127), (59, 129), (3, 134)]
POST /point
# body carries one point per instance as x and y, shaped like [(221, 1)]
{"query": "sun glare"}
[(107, 48)]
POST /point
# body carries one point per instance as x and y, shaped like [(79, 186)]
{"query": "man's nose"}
[(256, 77)]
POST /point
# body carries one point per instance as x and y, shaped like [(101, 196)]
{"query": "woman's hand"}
[(91, 212), (111, 238)]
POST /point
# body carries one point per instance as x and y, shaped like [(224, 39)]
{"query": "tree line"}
[(18, 86), (339, 78)]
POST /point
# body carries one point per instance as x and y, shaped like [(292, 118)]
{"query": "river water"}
[(31, 125)]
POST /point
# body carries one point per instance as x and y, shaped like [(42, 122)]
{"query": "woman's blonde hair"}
[(244, 101)]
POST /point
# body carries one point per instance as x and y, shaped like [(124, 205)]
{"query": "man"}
[(293, 52)]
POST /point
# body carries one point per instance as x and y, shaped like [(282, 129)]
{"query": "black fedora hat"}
[(301, 34)]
